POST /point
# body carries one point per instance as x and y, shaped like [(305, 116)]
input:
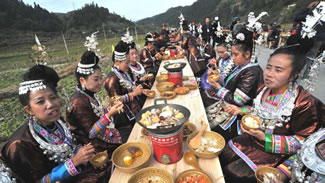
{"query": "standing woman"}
[(43, 150), (240, 85), (89, 121), (119, 84), (288, 114)]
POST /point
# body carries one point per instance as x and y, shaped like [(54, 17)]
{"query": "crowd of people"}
[(54, 148)]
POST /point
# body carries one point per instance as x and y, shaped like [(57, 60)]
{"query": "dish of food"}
[(150, 93), (168, 94), (162, 78), (211, 146), (185, 78), (189, 128), (99, 159), (149, 76), (193, 176), (266, 174), (165, 86), (166, 116), (151, 175), (208, 146), (129, 162), (191, 85), (213, 77), (163, 72), (251, 122), (144, 132), (181, 90), (174, 66)]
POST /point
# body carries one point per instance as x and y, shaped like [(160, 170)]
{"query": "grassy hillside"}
[(227, 9), (15, 59)]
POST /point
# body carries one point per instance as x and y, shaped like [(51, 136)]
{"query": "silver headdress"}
[(308, 27), (86, 69), (39, 56), (6, 174), (308, 158), (255, 26), (127, 38), (91, 43), (33, 85), (119, 56)]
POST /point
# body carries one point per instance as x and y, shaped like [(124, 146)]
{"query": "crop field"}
[(15, 61)]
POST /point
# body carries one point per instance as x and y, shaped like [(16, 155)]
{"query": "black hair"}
[(40, 72), (246, 44), (88, 57), (224, 44), (131, 46), (297, 53), (121, 47), (148, 36)]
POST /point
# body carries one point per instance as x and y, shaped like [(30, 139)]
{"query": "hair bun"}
[(42, 72), (243, 36), (89, 57)]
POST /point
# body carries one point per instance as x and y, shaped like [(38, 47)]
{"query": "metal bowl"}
[(190, 173), (138, 162), (151, 175), (263, 170), (209, 135)]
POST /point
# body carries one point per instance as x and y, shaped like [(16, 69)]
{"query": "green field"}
[(15, 61)]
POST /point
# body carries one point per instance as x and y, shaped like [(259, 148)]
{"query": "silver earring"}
[(83, 87), (290, 87)]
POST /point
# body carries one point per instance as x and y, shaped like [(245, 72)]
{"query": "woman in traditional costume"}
[(308, 165), (148, 56), (223, 65), (120, 85), (43, 149), (288, 114), (240, 85), (89, 121)]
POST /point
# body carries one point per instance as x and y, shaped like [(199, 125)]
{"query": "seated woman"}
[(148, 56), (43, 150), (138, 71), (119, 84), (240, 85), (309, 162), (288, 114), (89, 121), (224, 67)]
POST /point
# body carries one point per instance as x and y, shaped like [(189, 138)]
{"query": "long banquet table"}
[(194, 103)]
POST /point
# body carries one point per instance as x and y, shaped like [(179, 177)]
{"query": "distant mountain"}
[(15, 15), (227, 9)]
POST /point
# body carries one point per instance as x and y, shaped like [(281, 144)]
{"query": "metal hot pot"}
[(175, 74), (167, 141)]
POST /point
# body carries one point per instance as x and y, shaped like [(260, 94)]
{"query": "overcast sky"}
[(130, 9)]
